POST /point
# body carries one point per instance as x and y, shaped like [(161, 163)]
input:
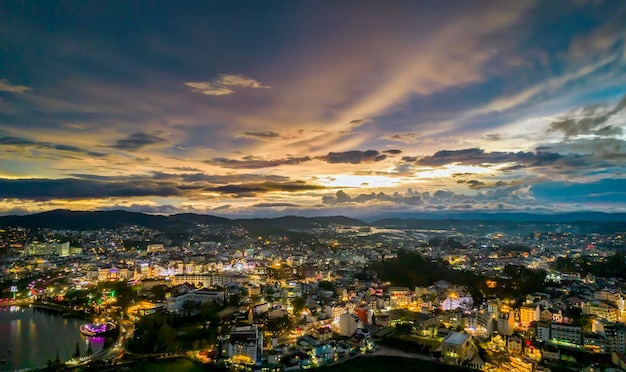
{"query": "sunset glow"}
[(313, 108)]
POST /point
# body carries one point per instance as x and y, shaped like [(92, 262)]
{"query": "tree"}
[(159, 292), (298, 305), (77, 351), (326, 285)]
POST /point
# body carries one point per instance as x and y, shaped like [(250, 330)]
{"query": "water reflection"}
[(35, 336)]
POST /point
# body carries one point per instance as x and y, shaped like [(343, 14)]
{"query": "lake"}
[(29, 337)]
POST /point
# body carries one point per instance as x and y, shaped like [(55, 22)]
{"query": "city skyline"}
[(265, 109)]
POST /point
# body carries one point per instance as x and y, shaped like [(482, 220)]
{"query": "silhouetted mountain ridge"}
[(62, 219)]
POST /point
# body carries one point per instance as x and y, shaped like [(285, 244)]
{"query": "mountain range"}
[(61, 219)]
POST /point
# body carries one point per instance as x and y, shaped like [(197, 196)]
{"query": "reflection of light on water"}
[(14, 309), (96, 342), (33, 328)]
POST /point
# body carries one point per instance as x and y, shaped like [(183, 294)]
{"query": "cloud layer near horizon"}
[(309, 108)]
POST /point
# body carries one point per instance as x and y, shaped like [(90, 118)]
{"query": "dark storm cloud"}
[(184, 180), (70, 188), (353, 157), (262, 135), (253, 163), (231, 178), (24, 142), (139, 140), (253, 189), (475, 156), (590, 123), (392, 152)]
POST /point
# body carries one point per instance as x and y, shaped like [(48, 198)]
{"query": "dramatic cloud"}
[(590, 122), (224, 84), (139, 140), (476, 156), (68, 188), (512, 196), (5, 86), (393, 152), (253, 163), (250, 190), (24, 142), (468, 103), (353, 157)]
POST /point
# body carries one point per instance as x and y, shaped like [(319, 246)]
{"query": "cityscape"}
[(293, 185), (296, 293)]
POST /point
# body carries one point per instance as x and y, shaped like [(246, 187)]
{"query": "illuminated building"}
[(603, 309), (616, 337), (199, 280), (457, 348), (454, 300), (348, 324), (506, 320), (176, 303), (363, 312), (566, 333), (529, 314), (399, 297), (245, 345), (112, 273)]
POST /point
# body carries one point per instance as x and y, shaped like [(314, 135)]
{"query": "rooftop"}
[(456, 338)]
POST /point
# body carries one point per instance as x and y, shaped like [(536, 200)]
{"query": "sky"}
[(269, 108)]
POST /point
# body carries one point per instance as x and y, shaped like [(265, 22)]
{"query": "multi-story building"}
[(506, 320), (199, 280), (112, 273), (348, 324), (603, 309), (616, 337), (566, 333), (457, 348), (176, 303), (399, 297), (529, 314), (542, 331), (245, 345)]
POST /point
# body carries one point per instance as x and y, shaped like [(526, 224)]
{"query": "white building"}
[(348, 324), (175, 304), (399, 297), (245, 345), (199, 280)]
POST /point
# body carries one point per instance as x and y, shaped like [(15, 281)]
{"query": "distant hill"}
[(507, 216), (62, 219)]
